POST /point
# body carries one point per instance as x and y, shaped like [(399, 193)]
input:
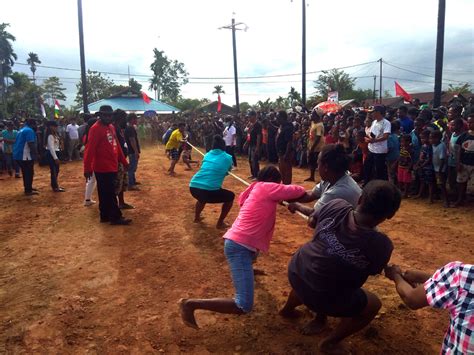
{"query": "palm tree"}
[(32, 61), (218, 90), (280, 103), (155, 86), (293, 96), (7, 59)]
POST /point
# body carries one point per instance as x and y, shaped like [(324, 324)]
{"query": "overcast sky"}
[(121, 34)]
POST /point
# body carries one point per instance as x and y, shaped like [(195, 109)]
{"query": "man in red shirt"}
[(101, 157)]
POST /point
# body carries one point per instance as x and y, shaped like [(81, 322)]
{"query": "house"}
[(132, 102)]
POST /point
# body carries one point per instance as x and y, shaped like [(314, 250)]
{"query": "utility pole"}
[(234, 28), (303, 57), (83, 60), (374, 97), (380, 81), (439, 53)]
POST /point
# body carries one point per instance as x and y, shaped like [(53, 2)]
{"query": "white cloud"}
[(122, 33)]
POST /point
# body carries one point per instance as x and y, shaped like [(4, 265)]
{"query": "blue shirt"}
[(439, 154), (21, 150), (393, 144), (406, 124), (416, 145), (10, 135), (215, 166)]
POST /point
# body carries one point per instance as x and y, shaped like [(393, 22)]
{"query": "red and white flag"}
[(399, 91), (219, 103), (146, 98)]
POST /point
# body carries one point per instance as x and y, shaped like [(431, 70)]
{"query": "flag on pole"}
[(56, 109), (41, 104), (145, 97), (219, 103), (399, 91)]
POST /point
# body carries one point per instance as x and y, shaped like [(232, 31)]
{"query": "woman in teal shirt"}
[(206, 184)]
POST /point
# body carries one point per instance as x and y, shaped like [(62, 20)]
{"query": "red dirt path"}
[(71, 285)]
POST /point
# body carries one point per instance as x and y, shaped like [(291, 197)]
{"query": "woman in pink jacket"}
[(250, 234)]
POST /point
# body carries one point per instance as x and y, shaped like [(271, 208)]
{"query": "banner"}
[(333, 96)]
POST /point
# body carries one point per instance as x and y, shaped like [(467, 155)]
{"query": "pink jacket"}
[(256, 220)]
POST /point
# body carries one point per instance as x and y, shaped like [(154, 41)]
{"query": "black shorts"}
[(313, 159), (174, 154), (346, 303), (212, 196)]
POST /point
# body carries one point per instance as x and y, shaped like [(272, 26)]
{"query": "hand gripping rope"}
[(246, 183)]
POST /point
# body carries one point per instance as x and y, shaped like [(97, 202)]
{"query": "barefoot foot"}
[(316, 326), (187, 313)]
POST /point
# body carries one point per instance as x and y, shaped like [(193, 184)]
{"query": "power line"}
[(432, 68), (423, 74), (203, 78)]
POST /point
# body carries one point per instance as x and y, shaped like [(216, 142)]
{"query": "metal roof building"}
[(132, 102)]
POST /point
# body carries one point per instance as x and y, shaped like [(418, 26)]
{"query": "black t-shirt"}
[(131, 132), (285, 135), (466, 142), (254, 132), (341, 255)]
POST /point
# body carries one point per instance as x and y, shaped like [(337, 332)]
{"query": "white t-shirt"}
[(229, 136), (377, 130), (73, 131)]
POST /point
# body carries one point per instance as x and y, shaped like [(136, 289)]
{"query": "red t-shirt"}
[(103, 152)]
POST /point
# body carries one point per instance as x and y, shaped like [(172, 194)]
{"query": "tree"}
[(218, 90), (53, 89), (294, 96), (360, 95), (281, 103), (7, 55), (387, 94), (98, 87), (335, 80), (192, 105), (264, 106), (7, 59), (134, 85), (168, 76), (23, 94), (244, 106), (459, 89), (32, 61)]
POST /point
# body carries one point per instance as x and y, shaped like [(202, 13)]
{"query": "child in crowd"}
[(405, 164), (393, 153), (186, 154), (333, 135), (425, 166), (327, 273), (251, 233), (440, 164)]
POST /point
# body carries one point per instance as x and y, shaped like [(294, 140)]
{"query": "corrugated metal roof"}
[(133, 104)]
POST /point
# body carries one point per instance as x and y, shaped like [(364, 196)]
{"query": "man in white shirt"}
[(72, 131), (375, 165), (230, 138)]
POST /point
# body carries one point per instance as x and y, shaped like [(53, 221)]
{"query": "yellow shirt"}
[(175, 140), (316, 129)]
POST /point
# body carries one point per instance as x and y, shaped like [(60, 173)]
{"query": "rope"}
[(246, 183)]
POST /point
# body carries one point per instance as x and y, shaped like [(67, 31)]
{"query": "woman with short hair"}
[(206, 184)]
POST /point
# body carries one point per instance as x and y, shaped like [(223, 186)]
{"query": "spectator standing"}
[(51, 138), (9, 136), (379, 132), (25, 152), (284, 144), (254, 144), (465, 161), (101, 157), (230, 134), (133, 146), (72, 131), (316, 143)]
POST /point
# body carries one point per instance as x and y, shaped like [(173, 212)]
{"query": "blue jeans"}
[(54, 170), (132, 169), (11, 164), (240, 261)]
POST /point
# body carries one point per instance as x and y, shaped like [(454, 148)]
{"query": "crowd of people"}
[(367, 161)]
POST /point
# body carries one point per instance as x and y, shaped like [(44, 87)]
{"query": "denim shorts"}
[(240, 261)]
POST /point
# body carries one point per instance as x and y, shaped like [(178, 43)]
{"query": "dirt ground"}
[(69, 284)]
